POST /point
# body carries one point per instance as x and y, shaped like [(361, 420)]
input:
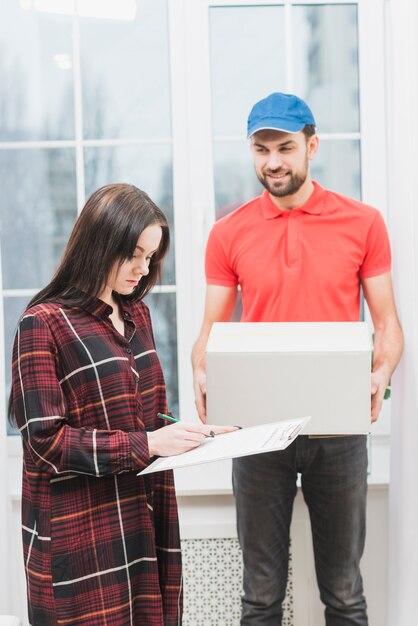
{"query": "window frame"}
[(12, 442), (191, 44), (193, 186)]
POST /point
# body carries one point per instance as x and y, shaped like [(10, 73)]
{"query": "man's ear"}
[(313, 143)]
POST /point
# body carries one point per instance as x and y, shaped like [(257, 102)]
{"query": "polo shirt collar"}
[(314, 206)]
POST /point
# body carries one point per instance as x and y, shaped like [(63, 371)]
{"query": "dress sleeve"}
[(41, 414), (217, 265), (377, 259)]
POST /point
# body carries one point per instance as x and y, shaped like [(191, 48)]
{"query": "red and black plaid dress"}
[(101, 544)]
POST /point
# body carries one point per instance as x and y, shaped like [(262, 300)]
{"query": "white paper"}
[(251, 440)]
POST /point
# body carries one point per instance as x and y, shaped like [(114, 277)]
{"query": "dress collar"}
[(95, 306)]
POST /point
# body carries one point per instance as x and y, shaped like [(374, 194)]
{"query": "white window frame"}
[(12, 443), (194, 187), (194, 199)]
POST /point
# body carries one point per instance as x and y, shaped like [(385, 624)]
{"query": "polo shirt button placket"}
[(293, 239)]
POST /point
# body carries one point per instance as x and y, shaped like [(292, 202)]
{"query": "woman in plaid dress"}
[(101, 544)]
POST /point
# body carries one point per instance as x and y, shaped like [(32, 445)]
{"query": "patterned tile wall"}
[(213, 581)]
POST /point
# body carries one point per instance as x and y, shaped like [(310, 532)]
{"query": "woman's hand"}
[(182, 436)]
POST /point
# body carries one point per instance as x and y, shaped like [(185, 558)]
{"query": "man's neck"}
[(295, 200)]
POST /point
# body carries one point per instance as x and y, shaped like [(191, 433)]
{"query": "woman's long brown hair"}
[(105, 233)]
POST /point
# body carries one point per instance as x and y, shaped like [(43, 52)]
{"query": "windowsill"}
[(214, 479), (217, 479)]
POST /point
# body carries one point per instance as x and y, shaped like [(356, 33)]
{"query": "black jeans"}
[(334, 485)]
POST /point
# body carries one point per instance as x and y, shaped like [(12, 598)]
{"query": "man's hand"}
[(380, 381), (199, 383), (388, 338), (181, 437), (219, 305)]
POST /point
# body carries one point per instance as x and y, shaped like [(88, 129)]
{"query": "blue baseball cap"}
[(279, 111)]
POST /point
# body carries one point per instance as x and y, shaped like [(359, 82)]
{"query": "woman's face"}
[(124, 278)]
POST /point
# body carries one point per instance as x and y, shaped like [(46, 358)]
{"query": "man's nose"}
[(275, 161)]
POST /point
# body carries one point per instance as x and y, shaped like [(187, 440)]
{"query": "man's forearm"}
[(388, 347), (198, 355)]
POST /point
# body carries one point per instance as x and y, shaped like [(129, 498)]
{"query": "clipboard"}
[(244, 442)]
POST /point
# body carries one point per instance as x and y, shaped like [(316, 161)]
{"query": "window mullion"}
[(78, 114)]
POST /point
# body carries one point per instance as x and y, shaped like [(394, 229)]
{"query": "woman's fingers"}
[(219, 430), (182, 436), (208, 429)]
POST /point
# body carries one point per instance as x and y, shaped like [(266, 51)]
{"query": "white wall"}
[(402, 95)]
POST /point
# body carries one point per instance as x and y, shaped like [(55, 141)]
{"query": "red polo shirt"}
[(299, 265)]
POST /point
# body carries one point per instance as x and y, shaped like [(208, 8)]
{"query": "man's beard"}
[(280, 189)]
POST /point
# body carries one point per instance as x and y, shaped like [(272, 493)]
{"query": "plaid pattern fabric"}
[(101, 544)]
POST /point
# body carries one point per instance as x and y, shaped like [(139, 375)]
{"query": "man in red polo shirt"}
[(300, 253)]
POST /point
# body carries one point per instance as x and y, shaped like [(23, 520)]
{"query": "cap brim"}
[(284, 127)]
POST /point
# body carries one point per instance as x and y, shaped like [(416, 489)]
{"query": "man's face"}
[(282, 160)]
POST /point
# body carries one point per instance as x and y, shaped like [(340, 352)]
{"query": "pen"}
[(163, 416), (169, 418)]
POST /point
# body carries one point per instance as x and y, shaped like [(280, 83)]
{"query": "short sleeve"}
[(377, 259), (218, 268)]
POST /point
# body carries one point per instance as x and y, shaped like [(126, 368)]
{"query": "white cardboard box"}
[(264, 372)]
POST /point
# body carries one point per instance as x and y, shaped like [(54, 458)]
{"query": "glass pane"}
[(37, 212), (235, 178), (247, 62), (125, 74), (13, 309), (337, 166), (36, 74), (164, 321), (149, 167), (325, 50)]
